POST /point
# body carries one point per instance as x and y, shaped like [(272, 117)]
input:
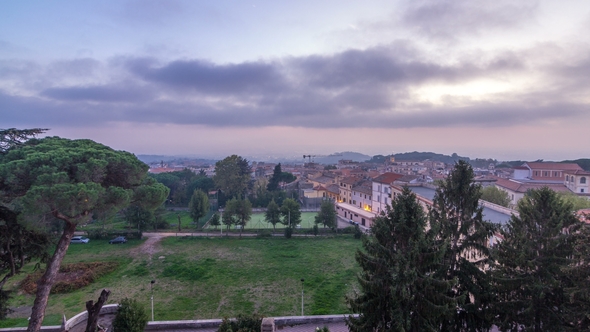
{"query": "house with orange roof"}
[(545, 171)]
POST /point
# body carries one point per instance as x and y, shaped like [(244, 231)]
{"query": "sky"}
[(496, 79)]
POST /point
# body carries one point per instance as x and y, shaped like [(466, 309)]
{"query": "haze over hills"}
[(353, 156)]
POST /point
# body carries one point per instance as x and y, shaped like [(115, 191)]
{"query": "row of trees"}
[(435, 271)]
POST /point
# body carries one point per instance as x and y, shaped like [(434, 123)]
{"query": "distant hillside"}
[(419, 156), (584, 163), (335, 157), (153, 159)]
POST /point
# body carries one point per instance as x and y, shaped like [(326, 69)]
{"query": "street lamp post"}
[(302, 280), (152, 289)]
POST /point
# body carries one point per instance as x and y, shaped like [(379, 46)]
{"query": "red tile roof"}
[(554, 166), (387, 178)]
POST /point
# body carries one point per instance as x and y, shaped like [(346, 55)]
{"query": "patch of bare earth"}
[(150, 247)]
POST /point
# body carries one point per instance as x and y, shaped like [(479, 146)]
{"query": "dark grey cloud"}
[(105, 94), (206, 77), (449, 19), (355, 88)]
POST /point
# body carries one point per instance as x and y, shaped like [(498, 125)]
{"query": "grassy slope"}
[(200, 278)]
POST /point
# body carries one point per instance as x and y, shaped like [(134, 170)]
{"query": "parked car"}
[(79, 239), (118, 239)]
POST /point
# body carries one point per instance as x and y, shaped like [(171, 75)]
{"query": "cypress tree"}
[(399, 289)]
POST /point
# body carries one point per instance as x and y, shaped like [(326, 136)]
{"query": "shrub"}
[(131, 317), (357, 232), (241, 324)]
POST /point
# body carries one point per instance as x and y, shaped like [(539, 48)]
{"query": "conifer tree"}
[(399, 288), (532, 276), (465, 235)]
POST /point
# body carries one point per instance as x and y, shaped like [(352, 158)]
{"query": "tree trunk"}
[(45, 283), (94, 310)]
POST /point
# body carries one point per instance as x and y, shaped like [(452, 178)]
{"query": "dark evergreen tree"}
[(464, 235), (273, 183), (579, 271), (399, 287), (532, 276)]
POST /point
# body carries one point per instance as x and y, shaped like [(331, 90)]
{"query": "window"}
[(567, 178), (582, 190), (545, 173), (583, 180), (363, 221)]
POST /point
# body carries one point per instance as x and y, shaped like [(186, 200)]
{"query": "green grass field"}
[(203, 278)]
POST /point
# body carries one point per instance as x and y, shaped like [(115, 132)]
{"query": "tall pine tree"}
[(399, 289), (533, 276), (464, 235)]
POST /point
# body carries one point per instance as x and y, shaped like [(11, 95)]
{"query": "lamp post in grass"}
[(152, 289), (302, 280)]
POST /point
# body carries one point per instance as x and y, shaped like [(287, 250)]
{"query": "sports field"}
[(257, 221)]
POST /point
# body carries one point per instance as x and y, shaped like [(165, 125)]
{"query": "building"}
[(578, 182), (381, 191)]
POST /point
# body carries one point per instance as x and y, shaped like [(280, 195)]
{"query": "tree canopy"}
[(495, 195), (327, 215), (232, 176), (464, 235), (400, 290), (535, 264), (69, 180), (198, 206), (239, 211), (291, 213)]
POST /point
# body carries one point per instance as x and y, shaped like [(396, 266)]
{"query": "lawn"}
[(203, 278)]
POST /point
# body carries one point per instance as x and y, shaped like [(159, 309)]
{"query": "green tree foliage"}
[(579, 272), (532, 274), (495, 195), (139, 217), (183, 183), (291, 213), (11, 138), (18, 246), (272, 215), (399, 287), (215, 220), (131, 317), (273, 183), (232, 176), (577, 202), (464, 236), (198, 206), (239, 211), (69, 180), (327, 215)]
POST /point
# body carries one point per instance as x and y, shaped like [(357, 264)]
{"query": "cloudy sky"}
[(501, 79)]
